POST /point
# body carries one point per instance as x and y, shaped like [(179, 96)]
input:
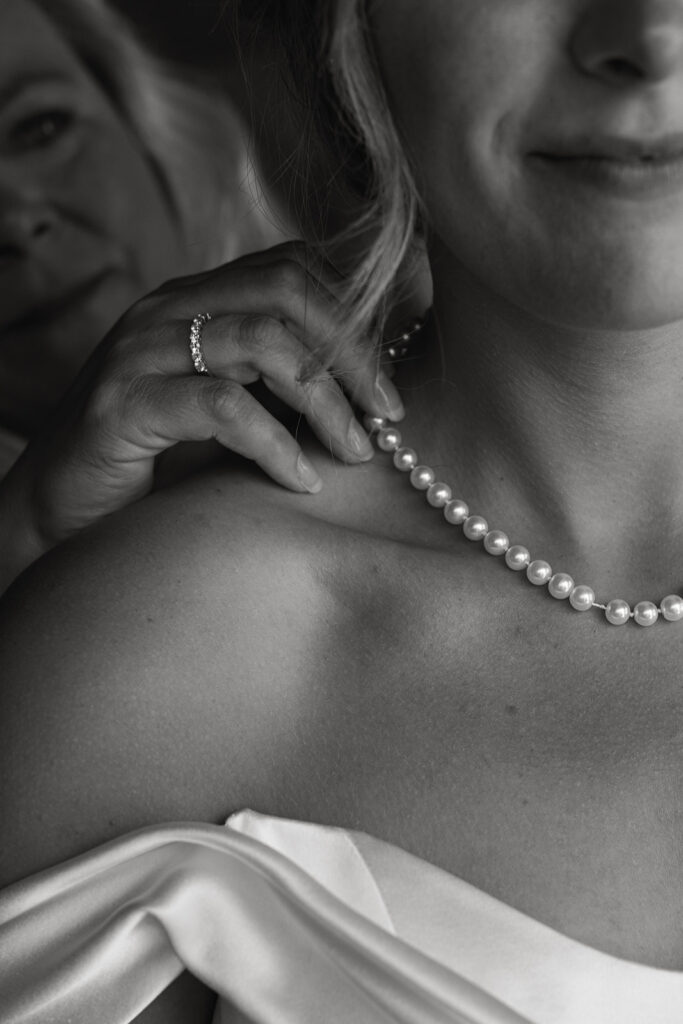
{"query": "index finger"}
[(278, 283)]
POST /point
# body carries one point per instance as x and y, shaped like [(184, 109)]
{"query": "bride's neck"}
[(573, 437)]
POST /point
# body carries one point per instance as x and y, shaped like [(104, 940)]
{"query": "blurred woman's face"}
[(547, 137), (85, 225)]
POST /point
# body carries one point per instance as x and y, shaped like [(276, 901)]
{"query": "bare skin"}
[(347, 657), (547, 779)]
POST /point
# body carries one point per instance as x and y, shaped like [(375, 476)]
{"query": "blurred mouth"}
[(647, 168), (40, 313)]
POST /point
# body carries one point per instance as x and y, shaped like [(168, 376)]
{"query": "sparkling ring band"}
[(196, 342)]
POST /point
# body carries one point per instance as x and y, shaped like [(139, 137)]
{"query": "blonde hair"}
[(389, 216), (349, 178), (191, 134)]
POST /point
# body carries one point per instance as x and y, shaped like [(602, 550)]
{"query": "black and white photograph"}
[(341, 511)]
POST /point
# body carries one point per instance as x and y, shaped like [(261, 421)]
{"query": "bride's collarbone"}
[(535, 753), (458, 648), (460, 608), (537, 688), (449, 670)]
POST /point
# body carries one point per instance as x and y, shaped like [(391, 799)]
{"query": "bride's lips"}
[(637, 168)]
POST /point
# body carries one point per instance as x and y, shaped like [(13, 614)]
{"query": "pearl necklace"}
[(456, 512)]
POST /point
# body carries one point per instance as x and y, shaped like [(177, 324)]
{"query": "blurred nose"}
[(25, 221), (628, 42)]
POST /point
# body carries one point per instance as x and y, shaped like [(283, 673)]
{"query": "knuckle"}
[(261, 335), (103, 405), (125, 350), (226, 402), (140, 311), (115, 401), (318, 386), (314, 375), (287, 278)]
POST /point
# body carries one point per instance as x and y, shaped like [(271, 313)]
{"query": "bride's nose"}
[(628, 42)]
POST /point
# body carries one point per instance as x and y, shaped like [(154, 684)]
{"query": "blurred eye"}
[(41, 129)]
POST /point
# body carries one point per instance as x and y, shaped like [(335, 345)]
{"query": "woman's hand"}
[(139, 395)]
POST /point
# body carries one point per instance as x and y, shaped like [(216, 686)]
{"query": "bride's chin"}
[(628, 316), (597, 300), (589, 282)]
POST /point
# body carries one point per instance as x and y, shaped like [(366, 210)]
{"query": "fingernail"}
[(358, 440), (308, 477), (388, 399)]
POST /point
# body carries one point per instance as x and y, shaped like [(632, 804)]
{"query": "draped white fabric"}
[(297, 924)]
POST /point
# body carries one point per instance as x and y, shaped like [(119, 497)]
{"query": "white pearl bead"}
[(389, 439), (538, 572), (517, 557), (496, 542), (672, 608), (560, 585), (618, 612), (405, 459), (438, 495), (422, 477), (456, 512), (646, 613), (475, 527), (582, 598), (373, 423)]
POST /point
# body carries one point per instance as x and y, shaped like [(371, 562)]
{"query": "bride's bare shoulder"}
[(201, 548), (154, 668)]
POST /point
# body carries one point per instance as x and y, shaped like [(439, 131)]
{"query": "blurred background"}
[(196, 32), (199, 34), (183, 28)]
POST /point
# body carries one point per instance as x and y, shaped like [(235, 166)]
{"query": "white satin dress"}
[(293, 923)]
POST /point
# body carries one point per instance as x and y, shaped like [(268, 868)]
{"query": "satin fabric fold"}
[(545, 976), (98, 938), (295, 923)]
